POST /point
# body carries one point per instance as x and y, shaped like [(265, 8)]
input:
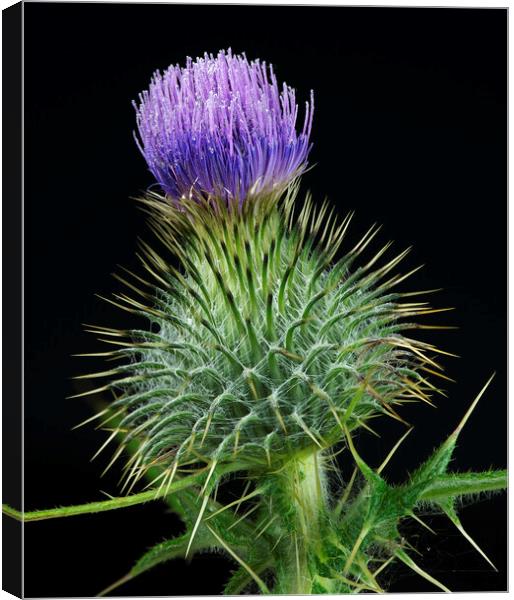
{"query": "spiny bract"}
[(263, 348)]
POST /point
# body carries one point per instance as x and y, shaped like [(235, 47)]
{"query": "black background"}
[(409, 130)]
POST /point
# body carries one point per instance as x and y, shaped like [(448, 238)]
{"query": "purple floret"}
[(220, 127)]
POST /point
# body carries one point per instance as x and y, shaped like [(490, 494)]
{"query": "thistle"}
[(271, 347), (220, 127)]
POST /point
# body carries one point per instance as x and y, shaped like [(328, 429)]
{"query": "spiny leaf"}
[(239, 580), (405, 558), (262, 586), (438, 462), (163, 552), (106, 505), (96, 507), (448, 508), (454, 485)]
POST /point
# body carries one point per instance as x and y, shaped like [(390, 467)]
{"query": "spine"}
[(12, 363)]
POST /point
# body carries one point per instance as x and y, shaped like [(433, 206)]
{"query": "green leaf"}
[(103, 505), (406, 559), (452, 515), (461, 484), (163, 552), (262, 586), (238, 581), (224, 524), (437, 464)]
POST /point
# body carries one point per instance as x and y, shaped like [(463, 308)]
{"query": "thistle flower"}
[(266, 352), (221, 127)]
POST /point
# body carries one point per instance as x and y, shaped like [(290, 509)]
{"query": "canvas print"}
[(262, 301)]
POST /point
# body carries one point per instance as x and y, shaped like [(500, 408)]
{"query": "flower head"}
[(221, 127)]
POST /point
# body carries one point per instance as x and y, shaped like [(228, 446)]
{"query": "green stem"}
[(303, 492)]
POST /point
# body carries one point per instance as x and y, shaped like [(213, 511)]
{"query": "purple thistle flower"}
[(220, 127)]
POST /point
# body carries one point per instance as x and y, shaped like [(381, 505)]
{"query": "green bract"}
[(264, 347)]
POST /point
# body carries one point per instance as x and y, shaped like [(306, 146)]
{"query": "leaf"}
[(262, 586), (453, 485), (163, 552), (238, 581), (437, 464), (101, 506), (115, 503), (452, 515), (405, 558), (381, 506), (204, 538)]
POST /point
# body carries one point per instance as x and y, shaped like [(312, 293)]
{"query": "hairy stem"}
[(303, 491)]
